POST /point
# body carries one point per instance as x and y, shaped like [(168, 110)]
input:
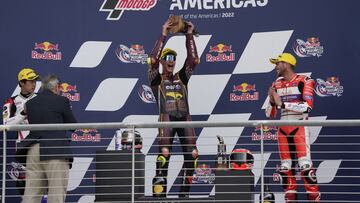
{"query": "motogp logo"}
[(117, 7)]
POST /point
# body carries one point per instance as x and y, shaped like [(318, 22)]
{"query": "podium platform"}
[(174, 200), (231, 185), (113, 175)]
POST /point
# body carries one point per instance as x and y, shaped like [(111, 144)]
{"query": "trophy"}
[(180, 26), (221, 157)]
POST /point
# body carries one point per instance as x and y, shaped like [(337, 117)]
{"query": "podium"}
[(113, 175), (231, 185), (175, 200)]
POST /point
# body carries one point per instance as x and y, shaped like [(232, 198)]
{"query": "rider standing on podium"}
[(171, 93), (293, 95)]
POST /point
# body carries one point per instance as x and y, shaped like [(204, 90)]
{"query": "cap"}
[(167, 51), (284, 57), (27, 74)]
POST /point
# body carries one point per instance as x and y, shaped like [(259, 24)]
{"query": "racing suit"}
[(171, 94), (12, 114), (293, 141)]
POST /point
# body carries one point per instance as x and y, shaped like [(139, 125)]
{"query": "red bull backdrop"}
[(99, 48)]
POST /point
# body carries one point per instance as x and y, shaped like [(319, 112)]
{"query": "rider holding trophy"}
[(171, 93)]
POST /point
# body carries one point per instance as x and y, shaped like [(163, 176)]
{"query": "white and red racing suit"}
[(12, 112), (12, 115), (293, 141)]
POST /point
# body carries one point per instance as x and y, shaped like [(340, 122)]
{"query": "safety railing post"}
[(262, 161), (133, 167), (3, 190)]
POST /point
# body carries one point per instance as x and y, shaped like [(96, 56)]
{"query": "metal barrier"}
[(193, 124)]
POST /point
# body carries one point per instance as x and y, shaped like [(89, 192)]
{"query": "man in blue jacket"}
[(48, 152)]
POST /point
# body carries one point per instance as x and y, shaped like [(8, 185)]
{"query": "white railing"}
[(192, 124)]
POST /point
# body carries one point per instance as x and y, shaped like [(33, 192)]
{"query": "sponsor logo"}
[(309, 48), (278, 178), (290, 98), (69, 91), (215, 4), (145, 93), (308, 97), (86, 135), (16, 171), (269, 133), (220, 53), (204, 174), (134, 54), (174, 95), (117, 7), (247, 93), (173, 87), (330, 87), (46, 51)]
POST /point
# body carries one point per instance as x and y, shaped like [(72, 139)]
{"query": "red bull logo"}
[(221, 50), (269, 133), (244, 87), (313, 41), (86, 135), (137, 49), (65, 87), (47, 46), (204, 174), (266, 128), (69, 91), (247, 92), (48, 51), (333, 79)]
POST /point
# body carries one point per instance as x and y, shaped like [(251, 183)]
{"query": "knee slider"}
[(310, 176)]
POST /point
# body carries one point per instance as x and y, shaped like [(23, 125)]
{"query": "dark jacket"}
[(49, 108)]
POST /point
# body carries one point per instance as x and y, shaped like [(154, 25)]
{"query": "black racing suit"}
[(171, 94)]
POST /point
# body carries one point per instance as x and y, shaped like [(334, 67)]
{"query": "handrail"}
[(182, 124)]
